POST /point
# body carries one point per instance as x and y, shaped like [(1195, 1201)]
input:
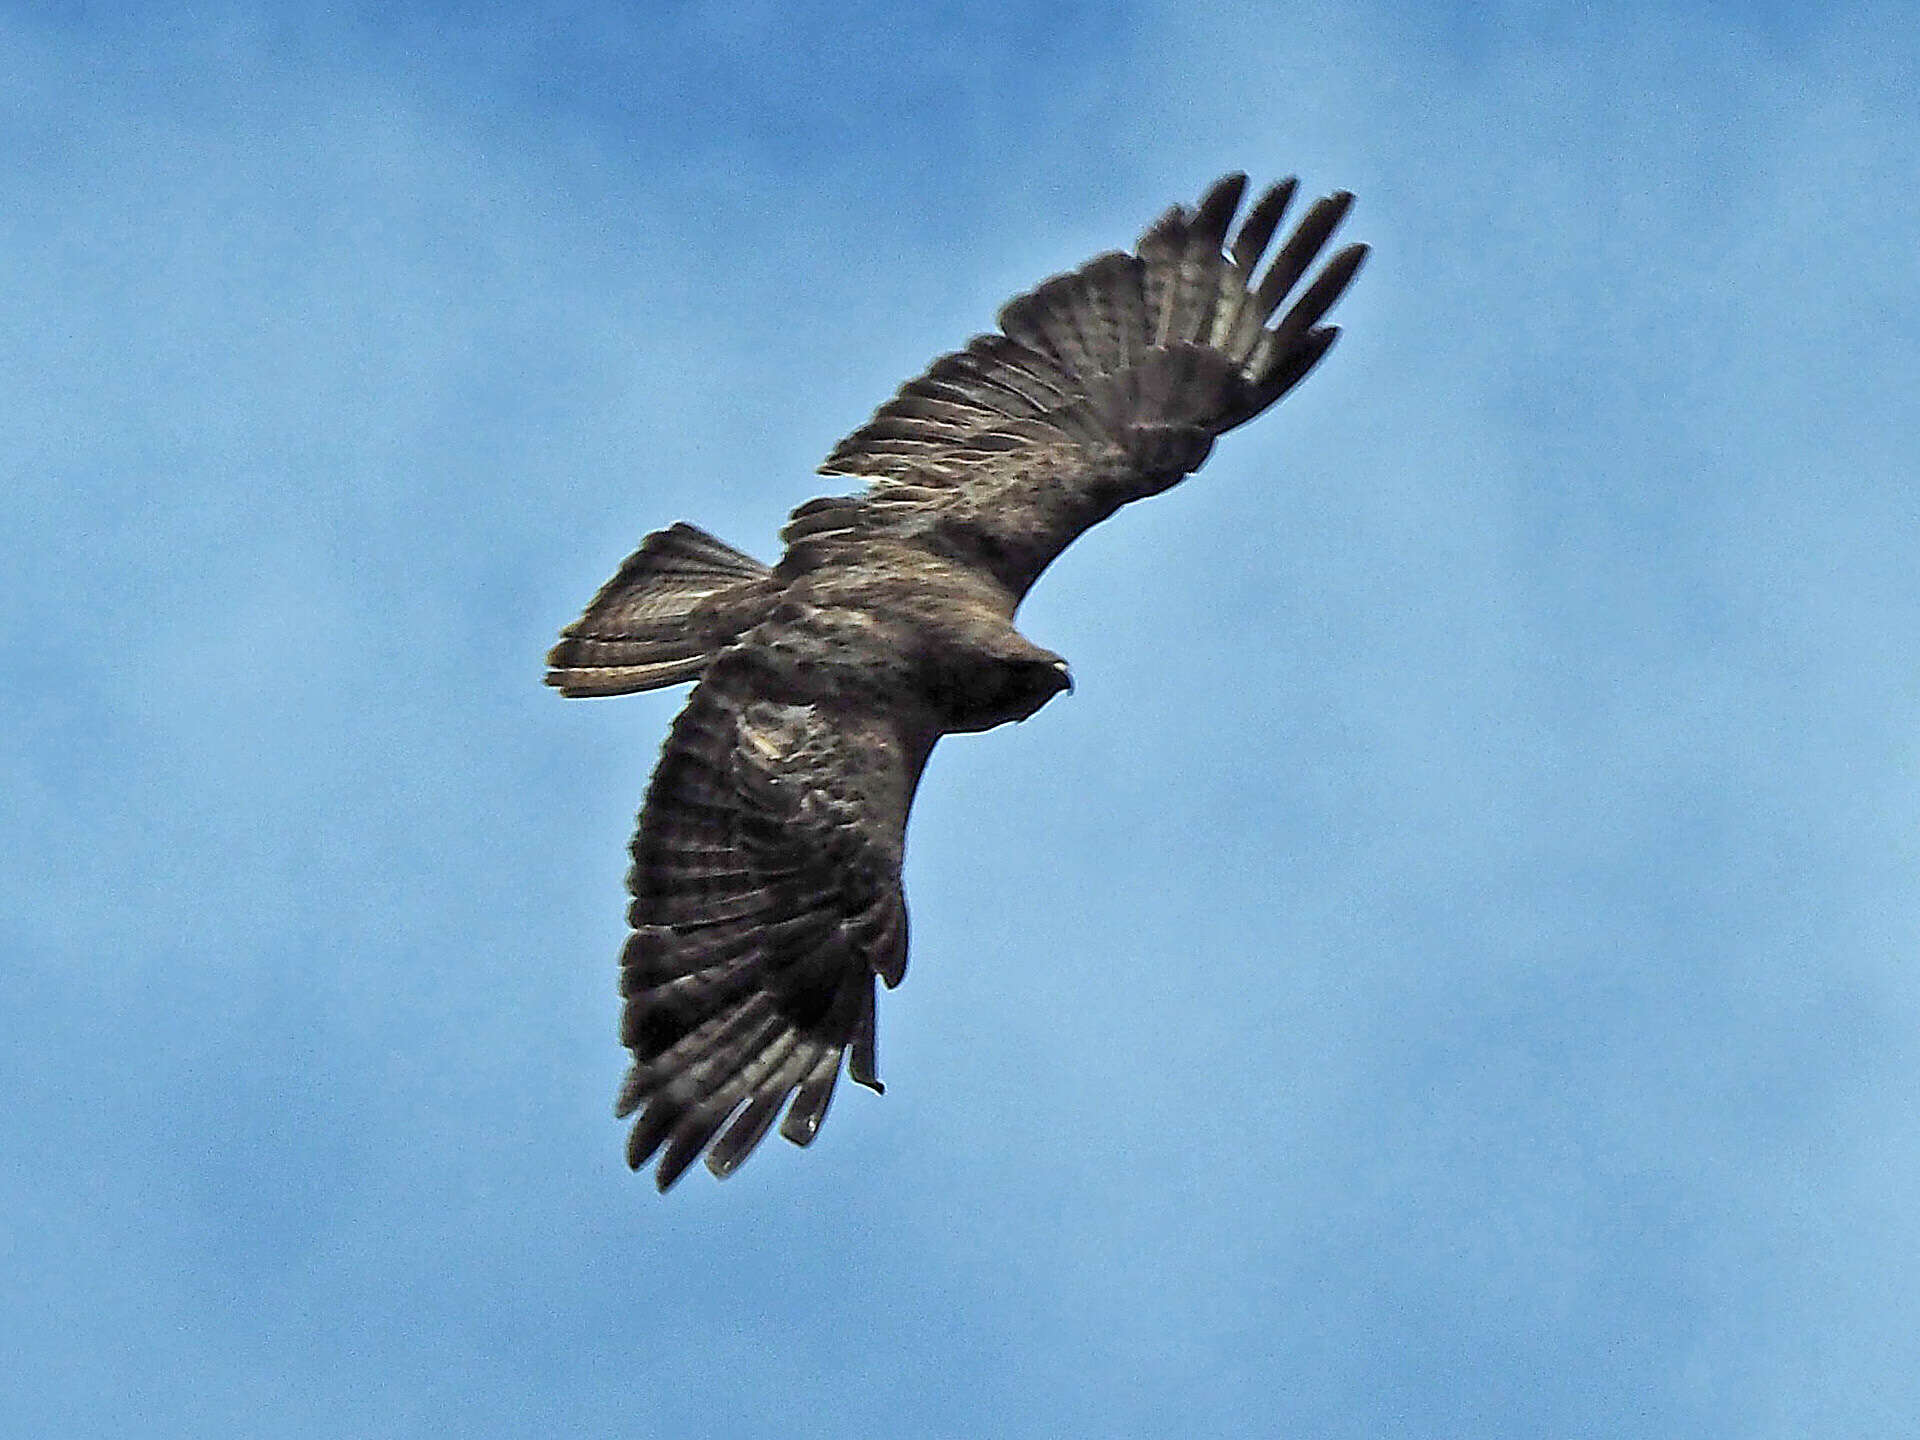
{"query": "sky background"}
[(1451, 969)]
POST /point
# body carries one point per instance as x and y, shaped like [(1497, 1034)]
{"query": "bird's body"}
[(766, 867)]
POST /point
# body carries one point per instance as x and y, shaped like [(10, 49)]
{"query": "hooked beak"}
[(1066, 675)]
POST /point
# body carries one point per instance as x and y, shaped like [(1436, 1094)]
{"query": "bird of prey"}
[(766, 894)]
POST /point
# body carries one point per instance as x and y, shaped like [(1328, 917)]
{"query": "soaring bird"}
[(766, 866)]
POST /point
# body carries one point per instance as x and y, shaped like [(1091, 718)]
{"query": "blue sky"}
[(1450, 969)]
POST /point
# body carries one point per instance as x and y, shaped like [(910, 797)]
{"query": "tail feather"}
[(674, 604)]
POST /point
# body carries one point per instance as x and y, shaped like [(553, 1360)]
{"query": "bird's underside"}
[(766, 867)]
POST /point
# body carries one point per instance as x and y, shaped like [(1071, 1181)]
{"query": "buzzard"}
[(766, 867)]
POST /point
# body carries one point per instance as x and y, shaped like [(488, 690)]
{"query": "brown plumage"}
[(766, 867)]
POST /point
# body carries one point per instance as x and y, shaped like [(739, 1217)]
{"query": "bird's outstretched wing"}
[(1104, 385), (766, 898)]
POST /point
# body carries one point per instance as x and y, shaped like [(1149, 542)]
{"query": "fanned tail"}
[(674, 604)]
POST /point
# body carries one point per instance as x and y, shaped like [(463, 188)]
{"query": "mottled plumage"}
[(766, 868)]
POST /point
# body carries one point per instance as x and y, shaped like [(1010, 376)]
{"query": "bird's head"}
[(990, 690), (1041, 679)]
